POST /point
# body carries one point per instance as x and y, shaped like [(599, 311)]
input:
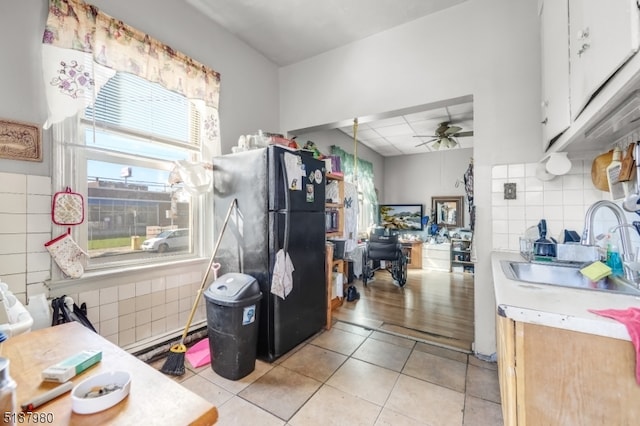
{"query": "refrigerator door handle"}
[(287, 200)]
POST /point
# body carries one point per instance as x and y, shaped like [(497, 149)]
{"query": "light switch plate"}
[(509, 191)]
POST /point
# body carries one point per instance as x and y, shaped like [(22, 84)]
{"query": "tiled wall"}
[(562, 201), (135, 312), (130, 313), (25, 225)]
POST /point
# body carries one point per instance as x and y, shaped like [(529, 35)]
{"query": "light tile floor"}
[(353, 376)]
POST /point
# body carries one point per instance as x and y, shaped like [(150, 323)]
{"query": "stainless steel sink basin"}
[(565, 276)]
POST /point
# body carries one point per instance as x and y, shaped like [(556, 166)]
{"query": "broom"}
[(174, 365)]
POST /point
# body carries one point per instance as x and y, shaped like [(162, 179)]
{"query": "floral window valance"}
[(83, 48)]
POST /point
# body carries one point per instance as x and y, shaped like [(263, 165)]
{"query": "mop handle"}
[(211, 266)]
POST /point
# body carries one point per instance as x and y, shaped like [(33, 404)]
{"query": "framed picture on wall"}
[(400, 217), (20, 141), (448, 211)]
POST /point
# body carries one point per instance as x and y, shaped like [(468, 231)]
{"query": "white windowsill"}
[(106, 278)]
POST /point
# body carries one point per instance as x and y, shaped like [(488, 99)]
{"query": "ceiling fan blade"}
[(463, 134), (424, 143), (425, 136), (453, 129)]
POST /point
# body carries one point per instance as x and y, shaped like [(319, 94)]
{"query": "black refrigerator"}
[(281, 199)]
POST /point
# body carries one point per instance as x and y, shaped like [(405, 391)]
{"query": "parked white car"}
[(167, 240)]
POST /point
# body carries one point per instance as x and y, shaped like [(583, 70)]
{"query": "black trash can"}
[(233, 303)]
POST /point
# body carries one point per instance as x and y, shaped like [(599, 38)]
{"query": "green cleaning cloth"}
[(596, 271)]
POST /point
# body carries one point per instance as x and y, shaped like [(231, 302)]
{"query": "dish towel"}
[(631, 319), (282, 281)]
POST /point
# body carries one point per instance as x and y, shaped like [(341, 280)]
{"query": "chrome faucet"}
[(588, 237)]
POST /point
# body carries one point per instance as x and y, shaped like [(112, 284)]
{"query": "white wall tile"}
[(127, 306), (126, 291), (143, 287), (143, 331), (13, 183), (35, 242), (553, 198), (108, 295), (500, 227), (109, 327), (516, 212), (13, 243), (13, 264), (38, 222), (127, 322), (533, 198), (38, 185), (13, 223), (515, 171), (533, 214), (500, 171), (108, 311), (533, 184), (91, 298), (158, 284), (37, 277), (572, 182), (38, 261), (499, 213), (497, 185), (573, 197), (158, 327), (127, 337), (143, 317), (143, 302), (13, 203), (497, 199), (553, 185), (39, 204)]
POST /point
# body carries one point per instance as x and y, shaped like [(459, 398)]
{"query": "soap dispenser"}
[(613, 260)]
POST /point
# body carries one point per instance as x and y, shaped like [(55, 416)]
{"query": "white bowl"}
[(82, 405)]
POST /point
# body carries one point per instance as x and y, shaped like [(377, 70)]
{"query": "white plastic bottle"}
[(616, 188), (7, 394)]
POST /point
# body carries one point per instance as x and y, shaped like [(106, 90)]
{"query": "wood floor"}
[(434, 306)]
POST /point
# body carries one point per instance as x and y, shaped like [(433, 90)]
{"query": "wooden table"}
[(154, 399)]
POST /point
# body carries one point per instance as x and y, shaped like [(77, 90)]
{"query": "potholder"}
[(67, 255), (67, 208)]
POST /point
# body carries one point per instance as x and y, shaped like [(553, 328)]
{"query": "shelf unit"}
[(334, 226), (461, 256), (334, 221)]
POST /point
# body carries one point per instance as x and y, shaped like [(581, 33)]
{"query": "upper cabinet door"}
[(603, 35), (554, 31)]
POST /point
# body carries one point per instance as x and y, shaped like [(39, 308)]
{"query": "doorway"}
[(434, 306)]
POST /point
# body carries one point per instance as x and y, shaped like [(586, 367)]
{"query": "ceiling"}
[(398, 135), (289, 31)]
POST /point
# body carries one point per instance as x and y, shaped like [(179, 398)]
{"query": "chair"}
[(384, 248)]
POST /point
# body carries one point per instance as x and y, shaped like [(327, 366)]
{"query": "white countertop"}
[(556, 306)]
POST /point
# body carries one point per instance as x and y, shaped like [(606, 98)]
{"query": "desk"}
[(154, 398), (413, 250)]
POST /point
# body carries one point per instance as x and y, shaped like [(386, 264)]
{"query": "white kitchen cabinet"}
[(603, 35), (554, 33), (436, 257)]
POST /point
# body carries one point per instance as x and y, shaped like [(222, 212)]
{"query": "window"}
[(123, 114), (129, 140)]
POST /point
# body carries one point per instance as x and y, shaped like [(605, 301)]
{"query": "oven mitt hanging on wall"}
[(67, 208), (67, 255)]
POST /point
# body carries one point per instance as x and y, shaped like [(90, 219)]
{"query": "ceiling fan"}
[(445, 136)]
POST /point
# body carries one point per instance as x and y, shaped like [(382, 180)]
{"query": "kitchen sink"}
[(565, 276)]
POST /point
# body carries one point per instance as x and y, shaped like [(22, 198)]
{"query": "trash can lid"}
[(233, 289)]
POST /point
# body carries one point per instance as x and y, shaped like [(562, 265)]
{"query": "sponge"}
[(596, 271)]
